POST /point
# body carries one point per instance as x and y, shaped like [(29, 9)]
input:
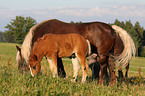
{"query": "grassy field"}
[(13, 83)]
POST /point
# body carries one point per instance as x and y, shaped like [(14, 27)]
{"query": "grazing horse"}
[(100, 35), (62, 45)]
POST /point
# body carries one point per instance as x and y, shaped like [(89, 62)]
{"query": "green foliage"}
[(72, 22), (1, 36), (142, 53), (13, 83), (18, 28)]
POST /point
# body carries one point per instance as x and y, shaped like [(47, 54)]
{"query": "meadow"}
[(13, 83)]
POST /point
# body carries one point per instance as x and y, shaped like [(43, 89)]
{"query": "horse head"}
[(34, 65), (22, 66)]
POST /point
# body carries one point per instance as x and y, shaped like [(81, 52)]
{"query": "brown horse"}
[(53, 46), (101, 36)]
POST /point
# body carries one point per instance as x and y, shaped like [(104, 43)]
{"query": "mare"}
[(102, 36), (62, 45)]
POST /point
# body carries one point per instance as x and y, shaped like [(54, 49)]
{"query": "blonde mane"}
[(129, 48), (27, 43)]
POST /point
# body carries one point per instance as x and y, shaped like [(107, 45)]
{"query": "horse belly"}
[(65, 53)]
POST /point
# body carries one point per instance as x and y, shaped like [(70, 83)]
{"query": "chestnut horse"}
[(107, 43), (62, 45)]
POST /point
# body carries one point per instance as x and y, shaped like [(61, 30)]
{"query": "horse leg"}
[(50, 64), (76, 68), (103, 68), (84, 69), (54, 62), (60, 67), (111, 66), (120, 73), (61, 71), (127, 67), (84, 66), (95, 67)]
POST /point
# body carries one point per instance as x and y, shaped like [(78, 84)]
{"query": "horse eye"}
[(34, 67)]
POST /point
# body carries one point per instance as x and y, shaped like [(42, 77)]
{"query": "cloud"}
[(123, 10), (79, 13), (129, 10)]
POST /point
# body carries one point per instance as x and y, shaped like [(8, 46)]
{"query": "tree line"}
[(17, 29), (20, 26)]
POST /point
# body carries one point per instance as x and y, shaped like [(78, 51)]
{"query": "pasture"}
[(13, 83)]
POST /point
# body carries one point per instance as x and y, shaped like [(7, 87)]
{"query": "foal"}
[(62, 45)]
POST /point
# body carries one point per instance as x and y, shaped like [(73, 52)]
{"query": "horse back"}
[(71, 43), (62, 44), (99, 34)]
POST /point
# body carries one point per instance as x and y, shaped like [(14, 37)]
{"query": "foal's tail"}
[(129, 47)]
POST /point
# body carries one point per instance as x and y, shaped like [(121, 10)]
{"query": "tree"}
[(72, 22), (140, 32), (1, 37), (136, 36), (18, 28)]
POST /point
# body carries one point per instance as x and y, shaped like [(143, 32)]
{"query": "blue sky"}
[(73, 10)]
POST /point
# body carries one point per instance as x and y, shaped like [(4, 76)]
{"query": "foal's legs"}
[(50, 64), (84, 66), (60, 67), (76, 68), (54, 62)]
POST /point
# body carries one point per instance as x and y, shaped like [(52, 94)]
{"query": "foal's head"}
[(34, 65), (22, 66)]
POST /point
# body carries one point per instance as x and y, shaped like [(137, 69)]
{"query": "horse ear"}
[(18, 48)]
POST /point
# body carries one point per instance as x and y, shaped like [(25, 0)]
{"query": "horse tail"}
[(129, 47)]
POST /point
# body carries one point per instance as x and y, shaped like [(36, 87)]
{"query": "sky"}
[(73, 10)]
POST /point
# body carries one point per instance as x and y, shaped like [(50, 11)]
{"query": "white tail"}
[(129, 47)]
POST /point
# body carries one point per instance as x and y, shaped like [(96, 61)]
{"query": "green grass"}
[(13, 83)]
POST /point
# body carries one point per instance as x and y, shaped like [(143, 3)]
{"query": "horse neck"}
[(27, 46), (39, 53)]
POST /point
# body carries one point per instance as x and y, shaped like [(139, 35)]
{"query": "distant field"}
[(13, 83)]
